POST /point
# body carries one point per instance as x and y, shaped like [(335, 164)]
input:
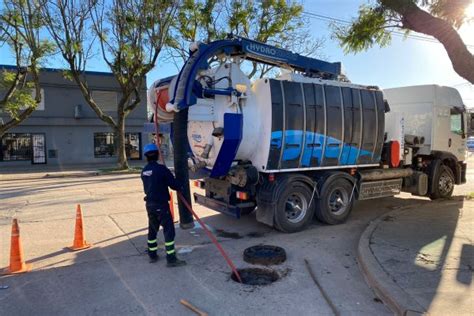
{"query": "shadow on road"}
[(424, 249), (115, 277)]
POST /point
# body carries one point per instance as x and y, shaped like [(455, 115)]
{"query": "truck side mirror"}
[(471, 121)]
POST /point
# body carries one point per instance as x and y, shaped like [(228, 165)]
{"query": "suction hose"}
[(180, 153)]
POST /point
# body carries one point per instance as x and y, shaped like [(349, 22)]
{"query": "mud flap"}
[(434, 167), (265, 213)]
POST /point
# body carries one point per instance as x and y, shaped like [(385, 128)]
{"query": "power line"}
[(326, 18)]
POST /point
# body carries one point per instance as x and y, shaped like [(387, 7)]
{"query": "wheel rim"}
[(338, 201), (296, 207), (445, 184)]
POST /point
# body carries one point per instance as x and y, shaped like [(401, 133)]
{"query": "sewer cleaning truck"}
[(308, 142)]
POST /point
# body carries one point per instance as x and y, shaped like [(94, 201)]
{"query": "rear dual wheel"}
[(298, 203), (295, 210), (336, 200)]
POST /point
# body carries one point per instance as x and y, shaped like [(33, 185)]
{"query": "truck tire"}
[(443, 183), (293, 210), (335, 201)]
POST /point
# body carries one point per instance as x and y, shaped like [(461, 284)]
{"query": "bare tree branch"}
[(130, 35)]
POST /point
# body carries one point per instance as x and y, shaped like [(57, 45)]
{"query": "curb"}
[(378, 280), (72, 174)]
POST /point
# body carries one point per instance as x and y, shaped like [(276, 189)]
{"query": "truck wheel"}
[(335, 202), (443, 184), (294, 212)]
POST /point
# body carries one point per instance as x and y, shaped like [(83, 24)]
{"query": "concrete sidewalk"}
[(114, 277), (421, 259), (56, 171)]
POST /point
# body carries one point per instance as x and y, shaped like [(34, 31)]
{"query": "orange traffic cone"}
[(79, 240), (171, 203), (17, 263)]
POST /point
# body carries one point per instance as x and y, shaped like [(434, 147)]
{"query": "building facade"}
[(64, 130)]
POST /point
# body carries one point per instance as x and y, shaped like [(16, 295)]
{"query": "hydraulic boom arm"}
[(250, 50)]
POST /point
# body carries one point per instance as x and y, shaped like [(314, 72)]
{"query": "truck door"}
[(457, 134)]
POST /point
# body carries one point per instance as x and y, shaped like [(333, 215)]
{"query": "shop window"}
[(105, 145), (16, 147)]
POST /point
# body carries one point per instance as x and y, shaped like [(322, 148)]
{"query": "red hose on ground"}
[(181, 197), (211, 236)]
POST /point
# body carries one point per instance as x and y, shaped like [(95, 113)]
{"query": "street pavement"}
[(427, 256), (114, 276)]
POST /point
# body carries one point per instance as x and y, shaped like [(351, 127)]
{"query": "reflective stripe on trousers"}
[(152, 245)]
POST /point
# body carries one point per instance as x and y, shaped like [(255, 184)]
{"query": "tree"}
[(129, 35), (437, 18), (20, 30), (276, 22)]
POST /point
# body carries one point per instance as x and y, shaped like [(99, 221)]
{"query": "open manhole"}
[(256, 276), (264, 255)]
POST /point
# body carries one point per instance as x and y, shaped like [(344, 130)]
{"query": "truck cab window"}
[(456, 123)]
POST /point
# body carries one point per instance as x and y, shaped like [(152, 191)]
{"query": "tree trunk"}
[(14, 122), (122, 162), (420, 21)]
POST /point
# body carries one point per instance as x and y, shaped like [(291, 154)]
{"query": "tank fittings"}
[(206, 151), (414, 140), (218, 132)]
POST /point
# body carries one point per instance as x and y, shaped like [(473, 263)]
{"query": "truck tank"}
[(289, 123)]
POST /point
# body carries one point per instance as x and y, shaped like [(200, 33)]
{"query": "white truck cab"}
[(433, 112), (430, 123)]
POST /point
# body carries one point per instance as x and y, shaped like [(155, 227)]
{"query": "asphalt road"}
[(114, 276)]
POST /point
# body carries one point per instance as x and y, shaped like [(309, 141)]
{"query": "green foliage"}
[(208, 20), (452, 11), (377, 20), (277, 22), (20, 100), (21, 29), (366, 31)]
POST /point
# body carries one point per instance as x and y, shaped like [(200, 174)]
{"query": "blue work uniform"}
[(156, 180)]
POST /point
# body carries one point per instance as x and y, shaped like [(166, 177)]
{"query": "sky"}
[(404, 62)]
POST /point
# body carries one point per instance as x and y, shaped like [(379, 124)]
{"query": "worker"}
[(156, 180)]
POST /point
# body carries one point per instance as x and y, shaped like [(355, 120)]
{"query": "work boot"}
[(172, 263), (153, 257), (186, 225)]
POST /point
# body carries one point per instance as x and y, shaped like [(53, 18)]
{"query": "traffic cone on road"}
[(17, 262), (79, 238)]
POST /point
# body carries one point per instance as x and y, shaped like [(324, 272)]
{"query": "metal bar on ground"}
[(326, 297), (193, 308)]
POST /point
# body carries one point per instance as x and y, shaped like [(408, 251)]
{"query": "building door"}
[(39, 148)]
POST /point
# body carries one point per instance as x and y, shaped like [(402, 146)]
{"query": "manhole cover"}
[(256, 276), (264, 255)]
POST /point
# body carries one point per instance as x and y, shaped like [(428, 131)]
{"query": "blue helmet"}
[(149, 148)]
